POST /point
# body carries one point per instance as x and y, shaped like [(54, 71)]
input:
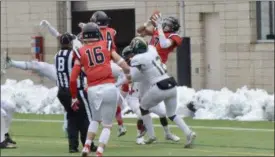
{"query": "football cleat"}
[(151, 140), (172, 137), (85, 151), (121, 131), (190, 139)]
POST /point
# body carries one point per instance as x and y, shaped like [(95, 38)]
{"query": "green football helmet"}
[(139, 45), (126, 52)]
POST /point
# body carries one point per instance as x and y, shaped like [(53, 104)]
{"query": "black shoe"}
[(93, 147), (73, 151), (8, 139), (7, 145)]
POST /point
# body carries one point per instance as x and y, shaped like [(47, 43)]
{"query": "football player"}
[(133, 98), (163, 32), (108, 34), (148, 69), (94, 58)]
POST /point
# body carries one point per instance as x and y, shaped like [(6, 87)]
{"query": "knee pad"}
[(144, 112), (172, 117), (93, 127), (163, 121)]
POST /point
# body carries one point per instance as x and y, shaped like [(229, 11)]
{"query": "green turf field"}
[(219, 138)]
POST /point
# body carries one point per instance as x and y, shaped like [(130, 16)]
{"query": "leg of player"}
[(86, 117), (141, 131), (43, 68), (7, 111), (121, 129), (108, 110), (3, 142), (101, 99), (133, 103), (171, 106), (146, 103), (163, 121)]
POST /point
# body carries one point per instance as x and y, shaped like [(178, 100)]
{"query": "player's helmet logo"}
[(170, 24), (138, 45), (91, 32), (100, 18)]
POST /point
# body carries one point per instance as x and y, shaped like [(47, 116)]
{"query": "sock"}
[(100, 149), (182, 125), (147, 120), (104, 138), (88, 142), (140, 125), (20, 64), (118, 116), (166, 130)]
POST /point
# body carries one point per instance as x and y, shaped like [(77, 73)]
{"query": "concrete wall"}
[(18, 20), (246, 61)]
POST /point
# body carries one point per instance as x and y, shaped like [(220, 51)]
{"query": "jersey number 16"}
[(95, 56)]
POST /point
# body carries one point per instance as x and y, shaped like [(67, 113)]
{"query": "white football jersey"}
[(149, 65)]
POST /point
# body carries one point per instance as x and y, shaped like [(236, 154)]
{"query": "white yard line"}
[(133, 124)]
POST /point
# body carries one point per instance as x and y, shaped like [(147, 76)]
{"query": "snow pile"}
[(244, 104)]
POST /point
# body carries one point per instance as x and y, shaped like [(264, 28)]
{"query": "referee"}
[(79, 116)]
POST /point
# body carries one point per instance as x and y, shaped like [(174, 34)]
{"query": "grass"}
[(47, 138)]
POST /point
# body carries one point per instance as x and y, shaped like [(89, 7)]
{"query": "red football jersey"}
[(95, 58), (109, 36), (163, 52)]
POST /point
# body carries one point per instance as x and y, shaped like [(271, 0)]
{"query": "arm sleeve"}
[(73, 80), (163, 41)]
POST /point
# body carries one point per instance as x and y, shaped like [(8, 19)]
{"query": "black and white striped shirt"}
[(64, 64)]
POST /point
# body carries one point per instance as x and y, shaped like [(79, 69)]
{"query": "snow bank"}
[(244, 104)]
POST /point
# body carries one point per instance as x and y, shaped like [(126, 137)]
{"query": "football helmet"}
[(138, 45), (127, 53), (91, 32), (100, 18), (170, 24)]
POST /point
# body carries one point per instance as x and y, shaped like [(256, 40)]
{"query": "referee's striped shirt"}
[(64, 64)]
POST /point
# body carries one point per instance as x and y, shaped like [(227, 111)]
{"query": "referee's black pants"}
[(77, 120)]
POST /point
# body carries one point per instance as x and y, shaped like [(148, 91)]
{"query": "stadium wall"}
[(245, 60)]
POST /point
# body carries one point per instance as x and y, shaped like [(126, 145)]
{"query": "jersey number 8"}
[(96, 56)]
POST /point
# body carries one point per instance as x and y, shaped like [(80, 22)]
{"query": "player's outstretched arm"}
[(120, 62), (51, 29)]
